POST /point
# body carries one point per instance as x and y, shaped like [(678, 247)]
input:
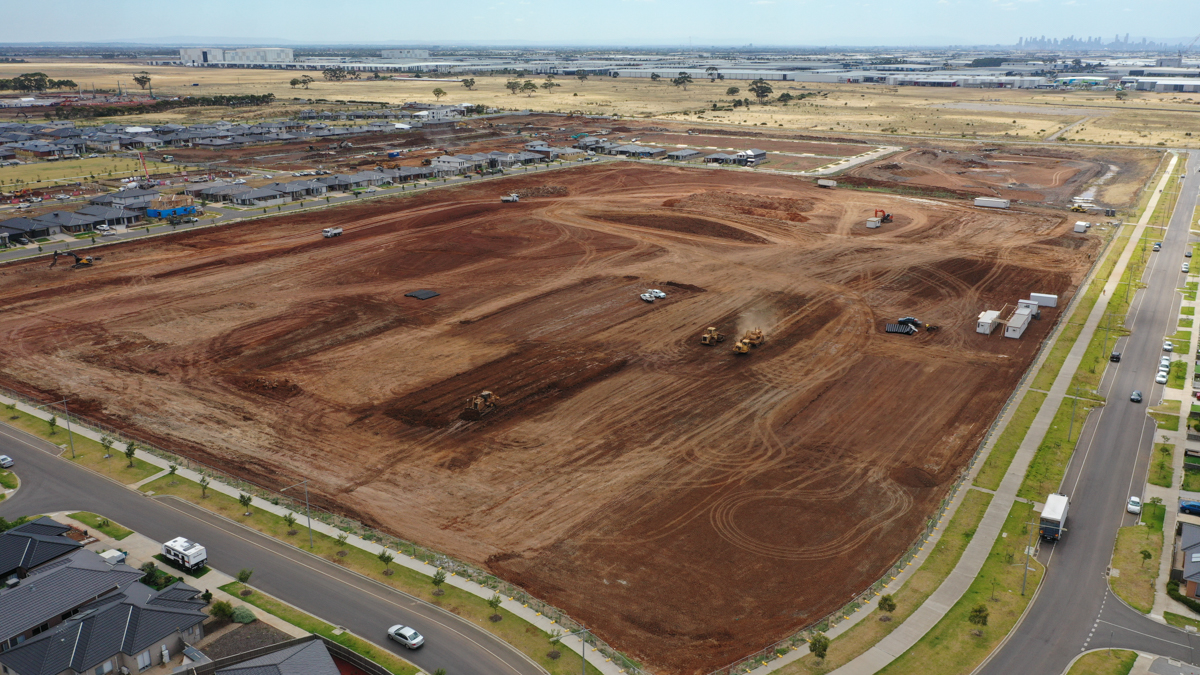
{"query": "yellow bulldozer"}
[(711, 337), (754, 337), (478, 406), (741, 347), (1078, 209)]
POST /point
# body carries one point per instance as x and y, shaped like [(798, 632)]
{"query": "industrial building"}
[(405, 53), (200, 56)]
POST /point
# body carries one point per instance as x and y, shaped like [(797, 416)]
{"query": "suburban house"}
[(129, 199), (684, 155), (640, 151), (31, 229), (1185, 568), (451, 165), (111, 215), (260, 197), (124, 632), (52, 594), (29, 546), (68, 221), (309, 655)]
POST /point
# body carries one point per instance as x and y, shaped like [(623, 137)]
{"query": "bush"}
[(1173, 592), (206, 596), (242, 614), (819, 645), (244, 575), (221, 609)]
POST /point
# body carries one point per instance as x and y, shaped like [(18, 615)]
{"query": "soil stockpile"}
[(689, 505)]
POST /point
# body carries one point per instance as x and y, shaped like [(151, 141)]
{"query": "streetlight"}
[(67, 413), (582, 633), (307, 512)]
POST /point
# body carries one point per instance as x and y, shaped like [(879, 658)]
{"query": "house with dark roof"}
[(260, 197), (56, 591), (127, 632), (31, 229), (309, 655), (684, 155), (68, 221), (29, 546), (111, 215), (1185, 567)]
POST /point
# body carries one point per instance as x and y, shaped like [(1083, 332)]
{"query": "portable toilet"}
[(988, 320)]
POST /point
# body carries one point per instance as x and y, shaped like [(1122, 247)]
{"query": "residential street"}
[(322, 588), (1074, 610)]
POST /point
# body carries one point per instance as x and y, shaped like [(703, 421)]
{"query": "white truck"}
[(1054, 517), (331, 232), (514, 197), (185, 553), (826, 183)]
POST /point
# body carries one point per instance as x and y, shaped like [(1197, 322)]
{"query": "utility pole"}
[(582, 633), (307, 512), (67, 414), (1074, 400), (1028, 551)]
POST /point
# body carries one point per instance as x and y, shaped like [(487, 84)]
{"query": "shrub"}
[(819, 645), (221, 609), (242, 614), (887, 603)]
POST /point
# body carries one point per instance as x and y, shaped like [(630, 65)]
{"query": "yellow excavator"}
[(478, 406), (84, 261), (711, 337)]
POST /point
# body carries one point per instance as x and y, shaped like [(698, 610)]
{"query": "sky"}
[(700, 23)]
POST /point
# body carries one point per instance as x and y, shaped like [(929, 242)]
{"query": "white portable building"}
[(1044, 299), (992, 202), (1018, 322), (1081, 226), (988, 320)]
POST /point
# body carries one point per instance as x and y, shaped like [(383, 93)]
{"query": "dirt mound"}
[(724, 132), (543, 191), (686, 224), (890, 166), (276, 388), (777, 208)]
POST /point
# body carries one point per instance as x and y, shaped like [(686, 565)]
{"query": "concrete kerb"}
[(594, 657), (973, 558)]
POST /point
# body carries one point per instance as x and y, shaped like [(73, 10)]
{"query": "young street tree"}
[(760, 89), (129, 451), (494, 603), (439, 578), (142, 80), (469, 83), (683, 80), (439, 93), (887, 603), (386, 558), (245, 499), (203, 487), (979, 615), (53, 422), (1146, 555), (819, 645)]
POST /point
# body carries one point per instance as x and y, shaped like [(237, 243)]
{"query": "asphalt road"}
[(319, 587), (1074, 610)]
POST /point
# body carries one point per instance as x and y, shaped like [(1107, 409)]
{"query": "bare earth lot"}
[(689, 505)]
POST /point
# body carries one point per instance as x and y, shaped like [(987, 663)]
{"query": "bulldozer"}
[(754, 337), (85, 261), (1078, 209), (711, 337), (741, 347), (478, 406)]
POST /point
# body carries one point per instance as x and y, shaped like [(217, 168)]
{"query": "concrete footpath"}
[(594, 657), (975, 555)]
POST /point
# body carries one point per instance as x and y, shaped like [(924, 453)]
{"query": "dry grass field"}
[(1145, 119)]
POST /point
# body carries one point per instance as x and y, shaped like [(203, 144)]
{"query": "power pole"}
[(307, 512)]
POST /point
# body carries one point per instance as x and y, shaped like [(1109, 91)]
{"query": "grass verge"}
[(1165, 421), (88, 453), (1178, 374), (955, 645), (1104, 662), (104, 525), (8, 480), (1050, 462), (1134, 582), (1191, 478), (1154, 515), (393, 663), (1160, 465), (916, 590), (996, 464), (522, 635), (1180, 621)]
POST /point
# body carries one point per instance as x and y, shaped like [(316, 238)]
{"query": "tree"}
[(172, 469), (1077, 63), (244, 575), (221, 609), (581, 76), (306, 80), (203, 487), (334, 73), (494, 603), (785, 97), (683, 80), (385, 556), (654, 77), (295, 82), (142, 80), (31, 82), (979, 615), (549, 85), (439, 93), (1146, 555), (887, 603), (513, 86), (53, 422), (130, 450), (819, 645), (732, 91), (711, 72), (469, 83), (760, 89), (1122, 95), (342, 537), (529, 88), (439, 578), (290, 519), (244, 500), (106, 444)]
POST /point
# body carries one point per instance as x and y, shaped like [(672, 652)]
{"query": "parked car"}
[(1136, 396), (406, 636), (191, 219), (1161, 377), (1157, 247), (1115, 358), (5, 461), (103, 228), (1187, 267), (108, 233), (1190, 508), (1134, 505), (1168, 346), (1187, 254), (1165, 361)]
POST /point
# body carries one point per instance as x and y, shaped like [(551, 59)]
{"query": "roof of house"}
[(107, 212), (1189, 543), (310, 658), (260, 193), (126, 622), (33, 544), (684, 152), (58, 587), (66, 218), (22, 224)]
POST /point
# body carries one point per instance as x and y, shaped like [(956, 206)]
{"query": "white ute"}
[(331, 232), (514, 197)]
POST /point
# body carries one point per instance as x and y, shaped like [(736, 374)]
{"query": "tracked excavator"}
[(85, 261), (478, 406)]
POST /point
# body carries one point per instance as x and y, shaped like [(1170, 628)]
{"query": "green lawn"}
[(920, 585), (513, 630), (8, 480), (1104, 662), (953, 647), (1187, 311), (109, 528), (1154, 515), (1178, 374), (996, 464), (1135, 582), (393, 663), (1191, 478), (1185, 323), (1160, 465), (1168, 422), (1180, 621), (88, 453), (1050, 462)]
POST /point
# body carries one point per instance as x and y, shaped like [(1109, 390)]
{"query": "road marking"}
[(1146, 634)]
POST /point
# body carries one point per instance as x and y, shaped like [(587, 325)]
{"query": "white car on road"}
[(1161, 377), (406, 636), (5, 461), (1134, 506)]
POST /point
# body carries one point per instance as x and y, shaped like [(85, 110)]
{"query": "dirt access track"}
[(689, 505)]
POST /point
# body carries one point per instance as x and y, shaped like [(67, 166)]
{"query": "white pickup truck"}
[(331, 232), (511, 198)]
